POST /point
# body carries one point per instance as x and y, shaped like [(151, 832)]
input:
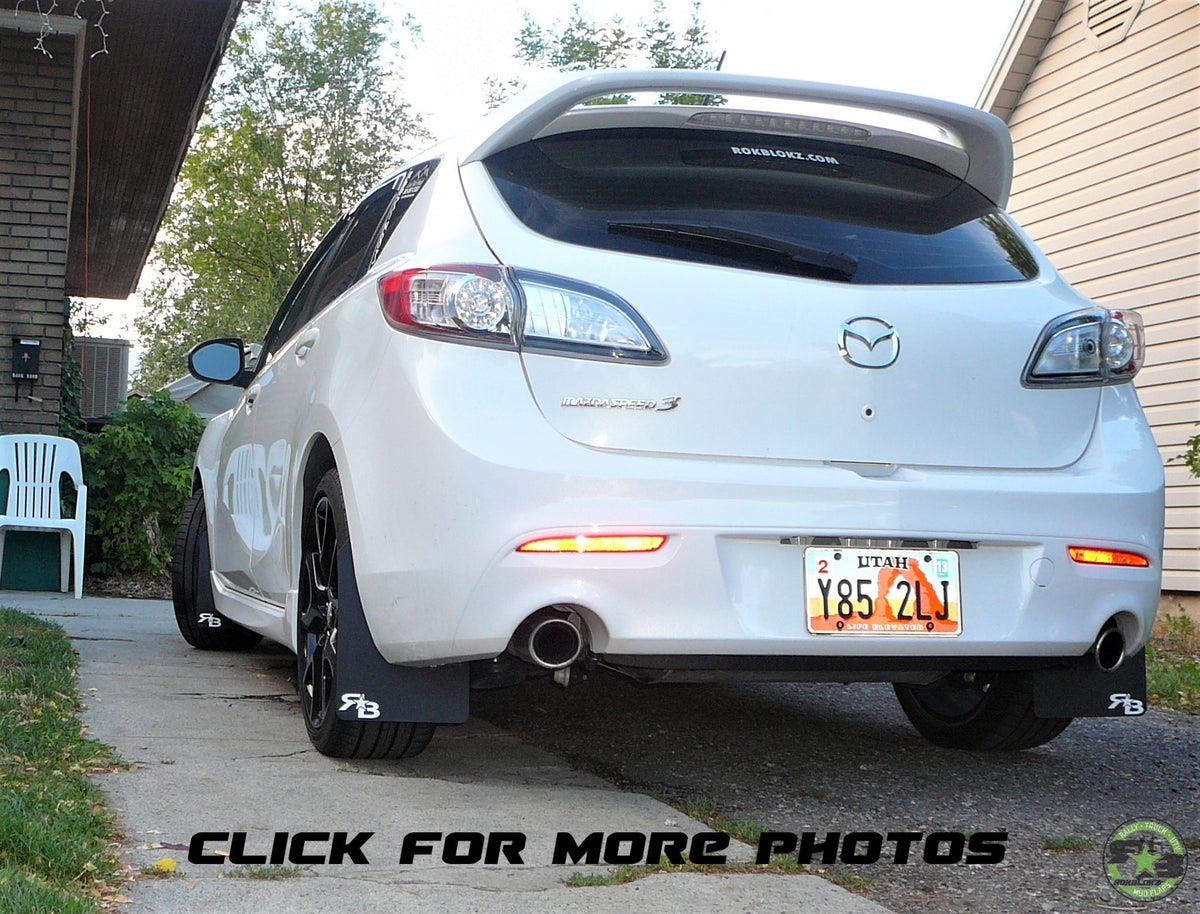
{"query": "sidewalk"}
[(219, 747)]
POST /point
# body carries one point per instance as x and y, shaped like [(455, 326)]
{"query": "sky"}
[(939, 48)]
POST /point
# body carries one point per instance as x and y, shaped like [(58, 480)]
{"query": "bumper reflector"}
[(1087, 555), (578, 544)]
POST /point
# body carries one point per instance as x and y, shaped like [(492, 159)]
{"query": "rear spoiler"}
[(974, 145)]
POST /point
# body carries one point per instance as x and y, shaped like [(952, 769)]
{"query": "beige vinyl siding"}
[(1068, 68), (1035, 24), (1107, 180)]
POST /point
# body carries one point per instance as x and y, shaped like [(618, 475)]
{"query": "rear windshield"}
[(779, 204)]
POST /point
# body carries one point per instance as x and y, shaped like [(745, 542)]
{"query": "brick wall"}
[(36, 103)]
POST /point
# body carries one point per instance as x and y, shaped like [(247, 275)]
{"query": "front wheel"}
[(196, 614), (990, 712), (322, 536)]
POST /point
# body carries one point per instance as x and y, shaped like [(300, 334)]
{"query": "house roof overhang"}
[(136, 108), (1022, 49)]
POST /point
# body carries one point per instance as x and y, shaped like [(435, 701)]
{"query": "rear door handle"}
[(307, 341)]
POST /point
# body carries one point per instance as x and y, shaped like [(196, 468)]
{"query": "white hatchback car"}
[(734, 377)]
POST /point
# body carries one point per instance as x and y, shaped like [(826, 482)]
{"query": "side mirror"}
[(218, 361)]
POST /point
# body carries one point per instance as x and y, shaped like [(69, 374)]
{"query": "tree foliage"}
[(584, 43), (1191, 457), (303, 119)]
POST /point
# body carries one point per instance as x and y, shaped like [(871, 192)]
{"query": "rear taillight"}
[(1087, 348), (473, 303), (497, 306), (576, 319)]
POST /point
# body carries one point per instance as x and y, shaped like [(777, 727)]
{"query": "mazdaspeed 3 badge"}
[(1145, 860)]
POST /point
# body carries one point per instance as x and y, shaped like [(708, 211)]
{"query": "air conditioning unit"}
[(105, 367)]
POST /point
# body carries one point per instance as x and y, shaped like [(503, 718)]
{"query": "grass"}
[(1173, 663), (54, 827), (1067, 844)]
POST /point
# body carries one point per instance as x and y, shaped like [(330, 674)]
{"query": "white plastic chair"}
[(35, 465)]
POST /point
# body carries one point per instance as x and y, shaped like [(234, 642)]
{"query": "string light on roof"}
[(46, 29), (99, 25)]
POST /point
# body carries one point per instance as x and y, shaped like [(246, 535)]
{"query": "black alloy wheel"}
[(319, 615)]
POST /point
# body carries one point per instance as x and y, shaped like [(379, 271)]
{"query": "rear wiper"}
[(761, 248)]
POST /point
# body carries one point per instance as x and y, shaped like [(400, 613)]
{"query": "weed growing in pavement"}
[(632, 872), (705, 810), (163, 869), (264, 872), (1067, 844), (849, 881)]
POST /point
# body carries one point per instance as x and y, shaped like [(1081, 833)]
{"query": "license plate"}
[(882, 591)]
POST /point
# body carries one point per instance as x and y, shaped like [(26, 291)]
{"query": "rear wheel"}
[(323, 534), (981, 711), (191, 588)]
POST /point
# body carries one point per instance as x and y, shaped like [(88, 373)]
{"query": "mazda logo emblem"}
[(868, 342)]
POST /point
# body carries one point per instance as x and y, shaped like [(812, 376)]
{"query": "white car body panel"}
[(725, 584), (754, 358)]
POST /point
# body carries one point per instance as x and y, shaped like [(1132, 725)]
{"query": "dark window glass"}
[(287, 318), (347, 264), (408, 185), (779, 204), (340, 260)]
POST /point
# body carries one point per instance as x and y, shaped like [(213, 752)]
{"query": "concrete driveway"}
[(219, 747)]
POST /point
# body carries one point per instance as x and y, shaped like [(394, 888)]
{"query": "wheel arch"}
[(318, 460)]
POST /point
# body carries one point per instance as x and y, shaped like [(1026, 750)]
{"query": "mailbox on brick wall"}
[(26, 358)]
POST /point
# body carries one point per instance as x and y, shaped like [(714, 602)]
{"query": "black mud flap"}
[(370, 688), (1092, 692)]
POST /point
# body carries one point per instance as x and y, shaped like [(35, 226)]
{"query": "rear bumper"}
[(716, 592), (441, 580)]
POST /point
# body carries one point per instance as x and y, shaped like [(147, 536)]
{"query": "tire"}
[(988, 712), (196, 615), (321, 537)]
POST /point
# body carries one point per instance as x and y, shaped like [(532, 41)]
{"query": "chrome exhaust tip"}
[(551, 639), (1109, 649)]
